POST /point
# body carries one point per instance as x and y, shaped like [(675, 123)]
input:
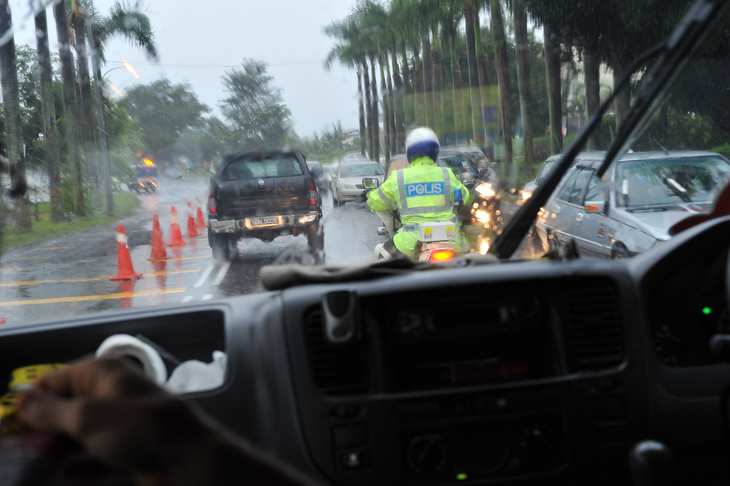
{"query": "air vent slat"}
[(593, 333), (342, 369)]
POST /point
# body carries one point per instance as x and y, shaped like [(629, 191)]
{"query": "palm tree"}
[(48, 110), (350, 53), (11, 109), (523, 78), (500, 54), (68, 80), (131, 23)]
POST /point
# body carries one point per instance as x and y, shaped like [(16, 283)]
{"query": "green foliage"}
[(330, 144), (164, 111), (255, 108)]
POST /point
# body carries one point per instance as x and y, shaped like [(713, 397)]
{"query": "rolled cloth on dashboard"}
[(277, 277), (126, 346)]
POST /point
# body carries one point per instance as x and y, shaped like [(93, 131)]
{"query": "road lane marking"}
[(207, 296), (29, 258), (197, 257), (92, 279), (204, 277), (221, 274), (11, 269), (82, 298), (53, 248), (187, 298)]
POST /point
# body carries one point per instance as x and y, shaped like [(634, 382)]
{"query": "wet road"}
[(70, 275)]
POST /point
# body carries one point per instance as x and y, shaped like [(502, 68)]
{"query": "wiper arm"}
[(506, 243), (677, 189)]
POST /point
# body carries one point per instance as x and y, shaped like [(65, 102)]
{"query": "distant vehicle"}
[(474, 153), (262, 194), (347, 185), (545, 169), (146, 179), (172, 174), (633, 208), (320, 178)]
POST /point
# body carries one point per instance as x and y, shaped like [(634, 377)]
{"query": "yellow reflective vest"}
[(422, 193)]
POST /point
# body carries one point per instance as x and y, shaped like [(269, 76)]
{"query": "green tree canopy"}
[(164, 111), (254, 108)]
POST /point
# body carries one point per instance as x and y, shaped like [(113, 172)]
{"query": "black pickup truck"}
[(262, 194)]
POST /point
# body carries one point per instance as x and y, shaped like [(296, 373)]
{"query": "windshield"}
[(125, 124), (360, 170), (667, 181)]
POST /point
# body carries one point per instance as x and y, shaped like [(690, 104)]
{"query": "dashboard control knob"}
[(427, 454), (652, 464)]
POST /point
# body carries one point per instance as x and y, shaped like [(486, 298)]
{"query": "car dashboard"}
[(516, 373)]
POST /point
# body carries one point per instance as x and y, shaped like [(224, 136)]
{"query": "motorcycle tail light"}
[(211, 202), (441, 255)]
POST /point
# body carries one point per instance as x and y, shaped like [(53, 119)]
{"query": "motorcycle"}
[(438, 241)]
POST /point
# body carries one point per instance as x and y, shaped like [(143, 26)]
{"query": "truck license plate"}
[(264, 220)]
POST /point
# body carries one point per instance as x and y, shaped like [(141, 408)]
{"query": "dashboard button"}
[(415, 411), (352, 460), (609, 408)]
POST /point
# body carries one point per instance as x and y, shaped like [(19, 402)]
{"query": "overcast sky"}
[(199, 41)]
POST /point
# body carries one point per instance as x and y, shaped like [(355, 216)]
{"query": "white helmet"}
[(422, 141)]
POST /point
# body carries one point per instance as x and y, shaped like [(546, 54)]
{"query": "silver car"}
[(347, 185), (636, 204)]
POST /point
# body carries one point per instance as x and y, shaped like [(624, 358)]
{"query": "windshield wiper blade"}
[(677, 189)]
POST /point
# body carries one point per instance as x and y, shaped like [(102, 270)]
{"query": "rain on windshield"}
[(116, 188)]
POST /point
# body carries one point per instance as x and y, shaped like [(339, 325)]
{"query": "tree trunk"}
[(591, 65), (479, 52), (368, 106), (438, 82), (407, 88), (48, 111), (376, 118), (386, 109), (523, 78), (623, 98), (552, 70), (417, 88), (471, 43), (85, 104), (427, 81), (11, 111), (69, 104), (500, 54), (392, 109), (399, 93), (361, 112), (456, 85)]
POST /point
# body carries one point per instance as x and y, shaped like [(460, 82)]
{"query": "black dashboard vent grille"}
[(338, 369), (593, 327)]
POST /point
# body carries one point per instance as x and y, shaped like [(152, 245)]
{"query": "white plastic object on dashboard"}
[(126, 346), (196, 376)]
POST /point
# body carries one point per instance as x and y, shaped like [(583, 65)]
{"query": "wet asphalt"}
[(70, 275)]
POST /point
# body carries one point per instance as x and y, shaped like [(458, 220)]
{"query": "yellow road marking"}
[(191, 257), (91, 279), (53, 248), (29, 258), (82, 298), (12, 269)]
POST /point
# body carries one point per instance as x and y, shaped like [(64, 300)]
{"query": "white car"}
[(347, 184)]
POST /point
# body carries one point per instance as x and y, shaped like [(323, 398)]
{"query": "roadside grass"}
[(125, 203)]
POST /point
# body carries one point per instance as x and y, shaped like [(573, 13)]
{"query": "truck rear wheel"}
[(315, 238), (222, 246)]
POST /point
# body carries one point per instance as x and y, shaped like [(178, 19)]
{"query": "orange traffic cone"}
[(126, 270), (199, 220), (191, 223), (176, 238), (158, 246)]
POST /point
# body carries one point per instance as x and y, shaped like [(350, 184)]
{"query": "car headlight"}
[(485, 190)]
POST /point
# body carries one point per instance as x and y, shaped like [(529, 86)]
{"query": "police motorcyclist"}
[(422, 193)]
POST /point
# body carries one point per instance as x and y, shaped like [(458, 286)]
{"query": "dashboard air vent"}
[(594, 337), (338, 369)]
